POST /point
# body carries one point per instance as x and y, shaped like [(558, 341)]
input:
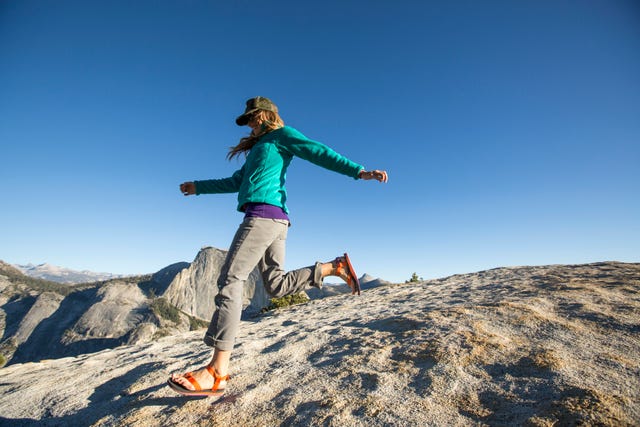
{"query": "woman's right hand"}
[(188, 188), (378, 175)]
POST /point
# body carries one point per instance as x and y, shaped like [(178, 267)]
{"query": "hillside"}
[(14, 282), (41, 319), (541, 346)]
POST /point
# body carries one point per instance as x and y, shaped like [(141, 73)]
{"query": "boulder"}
[(142, 334)]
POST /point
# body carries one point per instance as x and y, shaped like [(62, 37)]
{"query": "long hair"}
[(269, 121)]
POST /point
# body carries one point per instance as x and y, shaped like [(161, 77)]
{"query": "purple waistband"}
[(263, 210)]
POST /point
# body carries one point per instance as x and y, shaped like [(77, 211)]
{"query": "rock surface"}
[(119, 308), (43, 307), (84, 321), (541, 346)]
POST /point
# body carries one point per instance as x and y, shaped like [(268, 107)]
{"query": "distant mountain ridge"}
[(57, 274)]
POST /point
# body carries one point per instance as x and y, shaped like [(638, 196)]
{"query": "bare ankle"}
[(327, 269)]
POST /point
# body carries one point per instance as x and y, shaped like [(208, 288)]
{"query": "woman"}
[(260, 239)]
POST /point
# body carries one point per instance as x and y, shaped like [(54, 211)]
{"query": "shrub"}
[(162, 308), (161, 333), (195, 323), (300, 298), (7, 349), (414, 279)]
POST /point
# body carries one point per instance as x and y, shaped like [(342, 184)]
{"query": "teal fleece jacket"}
[(262, 177)]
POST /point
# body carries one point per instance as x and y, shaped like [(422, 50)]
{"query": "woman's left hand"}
[(378, 175), (188, 188)]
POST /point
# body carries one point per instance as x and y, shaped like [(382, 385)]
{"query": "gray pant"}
[(258, 242)]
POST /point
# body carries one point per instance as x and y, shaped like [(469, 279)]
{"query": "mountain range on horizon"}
[(64, 275)]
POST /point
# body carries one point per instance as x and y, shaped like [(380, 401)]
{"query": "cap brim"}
[(244, 119)]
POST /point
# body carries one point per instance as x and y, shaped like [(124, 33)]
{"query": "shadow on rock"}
[(110, 399)]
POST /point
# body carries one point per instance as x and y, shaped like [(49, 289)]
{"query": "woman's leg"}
[(251, 241), (256, 241), (249, 245), (279, 284)]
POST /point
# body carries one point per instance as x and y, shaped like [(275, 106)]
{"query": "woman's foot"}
[(341, 267), (203, 382)]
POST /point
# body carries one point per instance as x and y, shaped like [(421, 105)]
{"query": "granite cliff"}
[(194, 288)]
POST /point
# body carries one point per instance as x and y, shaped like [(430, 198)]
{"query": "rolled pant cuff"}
[(317, 276), (220, 345)]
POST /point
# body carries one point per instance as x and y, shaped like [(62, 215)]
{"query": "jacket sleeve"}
[(317, 153), (224, 185)]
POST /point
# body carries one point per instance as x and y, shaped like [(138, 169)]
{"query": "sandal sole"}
[(353, 274), (185, 392)]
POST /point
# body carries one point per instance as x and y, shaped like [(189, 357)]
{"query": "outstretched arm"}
[(214, 186), (380, 176), (317, 153)]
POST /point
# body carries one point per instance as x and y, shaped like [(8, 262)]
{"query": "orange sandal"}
[(345, 268), (214, 391)]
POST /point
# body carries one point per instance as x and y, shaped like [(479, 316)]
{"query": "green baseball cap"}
[(253, 105)]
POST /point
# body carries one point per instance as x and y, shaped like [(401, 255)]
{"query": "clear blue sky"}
[(510, 129)]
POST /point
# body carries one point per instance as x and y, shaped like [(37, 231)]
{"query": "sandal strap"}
[(218, 378), (189, 376), (341, 266)]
